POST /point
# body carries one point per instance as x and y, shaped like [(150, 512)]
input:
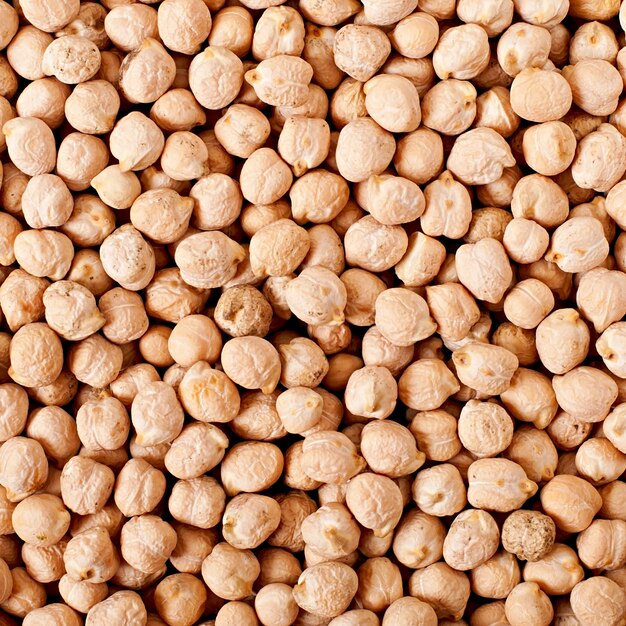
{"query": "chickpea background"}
[(312, 313)]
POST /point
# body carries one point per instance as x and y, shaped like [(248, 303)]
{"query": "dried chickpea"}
[(71, 59), (25, 53), (528, 604), (496, 577), (27, 594), (86, 485), (122, 607), (598, 594), (91, 557), (445, 589), (462, 52), (426, 384), (403, 317), (281, 80)]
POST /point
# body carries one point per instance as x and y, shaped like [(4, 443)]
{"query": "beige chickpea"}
[(262, 369), (81, 595), (539, 198), (250, 467), (44, 253), (45, 99), (198, 449), (591, 168), (265, 160), (402, 457), (304, 143), (184, 24), (530, 447), (124, 314), (360, 51), (232, 28), (598, 461), (156, 414), (180, 598), (26, 596), (523, 46), (391, 199), (487, 222), (557, 572), (279, 30), (278, 248), (525, 240), (81, 158), (596, 85), (426, 143), (529, 95), (95, 361), (405, 116), (92, 107), (10, 229), (169, 298), (601, 545), (498, 484), (10, 24), (139, 488), (90, 222), (331, 531), (347, 103), (578, 245), (496, 577), (613, 204), (71, 59), (439, 490), (115, 187), (86, 485), (128, 25), (41, 520), (484, 367), (448, 208), (462, 52), (299, 409), (229, 572), (153, 346), (194, 338), (249, 519), (55, 430), (363, 288), (609, 348), (198, 502), (500, 192), (13, 410), (281, 80), (403, 317), (595, 595), (549, 147), (415, 36), (528, 604), (374, 246), (485, 428), (208, 259), (193, 546), (418, 540), (449, 107), (453, 309), (177, 110), (565, 488), (371, 594), (21, 299), (326, 249), (528, 303), (472, 539), (494, 17), (379, 351), (234, 613), (147, 73), (242, 130), (374, 146), (375, 501), (55, 614), (275, 599), (185, 156), (147, 542), (208, 395), (330, 457), (598, 388), (136, 141), (91, 557), (445, 589), (217, 201), (31, 158), (9, 78), (318, 196), (122, 607), (311, 591), (103, 424), (25, 53), (426, 384), (484, 269), (571, 348)]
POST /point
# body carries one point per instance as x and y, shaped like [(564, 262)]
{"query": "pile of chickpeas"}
[(312, 313)]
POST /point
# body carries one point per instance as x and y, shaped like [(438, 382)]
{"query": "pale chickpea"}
[(281, 80), (449, 107), (609, 348), (10, 24), (250, 467), (362, 288), (156, 414), (572, 345), (347, 103), (136, 142), (549, 147), (445, 589), (55, 430), (26, 596), (527, 604), (330, 457), (41, 520), (92, 107), (147, 73), (591, 168), (169, 298), (153, 346), (426, 143), (318, 52), (496, 577), (263, 364), (374, 246), (402, 458), (472, 539), (90, 222), (81, 595), (462, 52), (598, 594), (379, 351), (426, 384), (122, 607), (557, 572), (525, 240), (418, 540), (91, 557), (229, 572), (25, 53), (598, 461), (79, 161), (44, 98), (147, 542), (566, 488), (523, 46), (127, 25), (180, 598)]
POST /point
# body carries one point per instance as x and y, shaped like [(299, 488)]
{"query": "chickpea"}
[(527, 604), (445, 589), (426, 384), (402, 460), (123, 607), (573, 341), (86, 485), (91, 557), (598, 593), (496, 577), (27, 595)]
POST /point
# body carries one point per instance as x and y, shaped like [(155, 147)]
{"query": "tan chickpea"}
[(528, 604), (198, 502), (426, 384), (281, 80), (608, 347), (139, 488), (32, 159), (549, 147), (330, 457), (136, 141), (147, 73), (527, 95), (263, 362), (229, 572), (462, 52), (425, 142), (363, 288), (184, 24), (91, 557), (81, 158), (374, 145), (318, 52), (573, 341), (55, 614), (445, 589), (484, 367), (95, 361), (557, 572), (156, 414), (71, 59), (10, 24), (86, 485), (599, 172), (81, 595), (193, 546), (310, 592), (249, 519), (449, 107), (122, 607), (13, 410), (331, 531), (25, 53), (485, 428), (523, 46), (92, 107), (538, 198), (598, 594), (380, 352), (146, 542), (41, 520), (601, 545), (45, 99), (374, 246), (124, 314), (180, 598), (525, 240), (55, 430), (599, 388), (127, 25), (472, 539), (418, 540), (26, 596), (565, 488), (598, 461), (116, 188), (90, 221), (496, 577), (250, 467)]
